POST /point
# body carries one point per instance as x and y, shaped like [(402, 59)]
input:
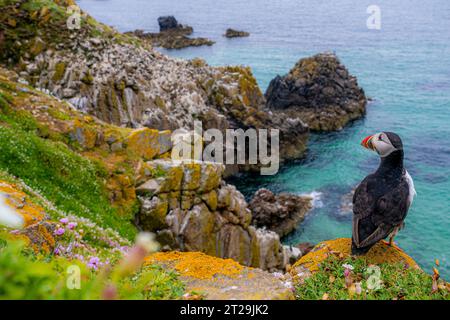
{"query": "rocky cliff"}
[(191, 208), (121, 80), (186, 203)]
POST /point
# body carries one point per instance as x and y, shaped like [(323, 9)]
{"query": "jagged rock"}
[(231, 33), (281, 213), (320, 91), (191, 208)]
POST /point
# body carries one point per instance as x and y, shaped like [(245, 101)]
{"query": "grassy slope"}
[(398, 282), (47, 164)]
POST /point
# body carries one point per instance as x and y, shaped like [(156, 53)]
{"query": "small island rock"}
[(231, 33)]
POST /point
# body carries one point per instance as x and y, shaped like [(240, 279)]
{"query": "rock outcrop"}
[(231, 33), (191, 208), (222, 279), (176, 38), (281, 213), (380, 253), (172, 35), (320, 91), (168, 23)]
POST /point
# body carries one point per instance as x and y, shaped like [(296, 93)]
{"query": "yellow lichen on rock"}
[(382, 252), (222, 279), (84, 134), (36, 230), (198, 265), (143, 143), (19, 202)]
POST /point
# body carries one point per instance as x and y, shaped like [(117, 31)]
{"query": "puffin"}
[(382, 200)]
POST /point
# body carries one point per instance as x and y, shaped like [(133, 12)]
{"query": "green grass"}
[(23, 276), (398, 282), (73, 183), (152, 283)]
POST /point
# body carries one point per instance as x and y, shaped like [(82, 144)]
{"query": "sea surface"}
[(404, 67)]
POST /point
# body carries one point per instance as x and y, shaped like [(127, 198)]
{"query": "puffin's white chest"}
[(412, 191)]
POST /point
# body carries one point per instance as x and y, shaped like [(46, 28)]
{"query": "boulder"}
[(320, 91), (281, 213)]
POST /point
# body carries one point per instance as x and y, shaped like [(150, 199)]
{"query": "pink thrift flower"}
[(346, 272), (64, 220), (72, 225), (59, 231), (93, 263)]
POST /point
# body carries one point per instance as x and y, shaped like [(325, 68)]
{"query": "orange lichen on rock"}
[(143, 143), (39, 236), (382, 252), (20, 203), (197, 265)]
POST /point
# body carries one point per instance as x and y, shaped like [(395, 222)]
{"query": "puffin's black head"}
[(384, 143)]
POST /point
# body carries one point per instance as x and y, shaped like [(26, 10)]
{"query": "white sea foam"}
[(316, 198), (8, 217)]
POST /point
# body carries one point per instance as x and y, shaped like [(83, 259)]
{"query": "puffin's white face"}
[(380, 143)]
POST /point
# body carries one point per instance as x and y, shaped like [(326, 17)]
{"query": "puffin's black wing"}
[(376, 214), (392, 207)]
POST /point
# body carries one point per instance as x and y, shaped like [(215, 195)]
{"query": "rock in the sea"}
[(223, 279), (320, 91), (172, 35), (167, 22), (231, 33), (174, 38), (281, 213)]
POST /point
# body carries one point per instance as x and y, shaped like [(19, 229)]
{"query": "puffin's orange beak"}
[(367, 143)]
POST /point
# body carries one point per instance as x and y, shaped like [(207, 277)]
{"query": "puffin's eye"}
[(380, 138)]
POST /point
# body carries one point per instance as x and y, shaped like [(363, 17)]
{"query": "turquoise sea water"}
[(404, 67)]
